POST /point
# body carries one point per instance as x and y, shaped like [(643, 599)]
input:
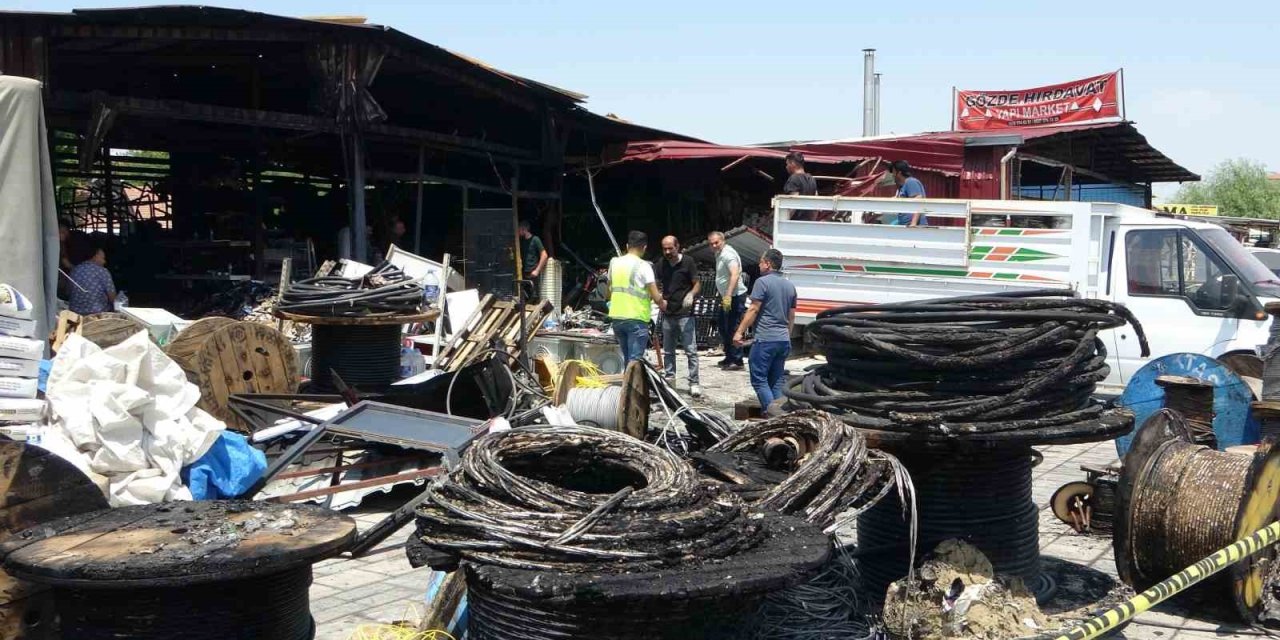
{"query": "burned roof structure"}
[(332, 99)]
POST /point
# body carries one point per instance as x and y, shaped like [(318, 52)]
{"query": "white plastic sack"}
[(130, 417)]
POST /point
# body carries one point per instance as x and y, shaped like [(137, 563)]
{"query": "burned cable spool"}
[(193, 570), (223, 357), (1192, 398), (578, 532), (1180, 501), (355, 324), (831, 469), (830, 473), (959, 390), (39, 487)]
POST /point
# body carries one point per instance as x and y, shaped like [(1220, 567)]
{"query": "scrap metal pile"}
[(1018, 367)]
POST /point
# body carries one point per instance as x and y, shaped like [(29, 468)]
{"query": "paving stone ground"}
[(381, 587)]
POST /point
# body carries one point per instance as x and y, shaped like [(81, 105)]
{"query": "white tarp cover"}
[(127, 417), (28, 215)]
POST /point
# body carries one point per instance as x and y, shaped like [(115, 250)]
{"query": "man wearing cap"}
[(631, 287), (908, 187)]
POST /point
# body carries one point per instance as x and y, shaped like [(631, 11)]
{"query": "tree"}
[(1239, 187)]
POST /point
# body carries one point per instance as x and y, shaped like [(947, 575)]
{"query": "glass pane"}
[(1202, 276), (1152, 257)]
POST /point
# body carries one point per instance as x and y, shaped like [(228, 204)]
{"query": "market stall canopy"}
[(1115, 149)]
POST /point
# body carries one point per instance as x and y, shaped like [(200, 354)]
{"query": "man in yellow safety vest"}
[(631, 288)]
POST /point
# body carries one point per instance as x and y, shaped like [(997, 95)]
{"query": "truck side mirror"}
[(1230, 291)]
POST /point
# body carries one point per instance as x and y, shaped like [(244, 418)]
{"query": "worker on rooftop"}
[(631, 287)]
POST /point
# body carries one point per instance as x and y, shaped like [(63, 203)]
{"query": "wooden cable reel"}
[(633, 406), (1177, 502), (224, 357), (35, 487)]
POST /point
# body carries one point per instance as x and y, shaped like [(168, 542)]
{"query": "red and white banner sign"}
[(1095, 98)]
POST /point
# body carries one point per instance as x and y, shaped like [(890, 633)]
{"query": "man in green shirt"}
[(533, 257)]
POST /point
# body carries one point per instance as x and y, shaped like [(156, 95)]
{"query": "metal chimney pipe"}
[(868, 91), (875, 129)]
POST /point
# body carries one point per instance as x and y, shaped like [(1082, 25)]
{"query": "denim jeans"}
[(682, 329), (633, 338), (729, 321), (767, 363)]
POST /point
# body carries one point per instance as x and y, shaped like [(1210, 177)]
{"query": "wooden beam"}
[(465, 184)]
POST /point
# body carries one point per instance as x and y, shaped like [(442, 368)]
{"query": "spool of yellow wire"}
[(396, 632)]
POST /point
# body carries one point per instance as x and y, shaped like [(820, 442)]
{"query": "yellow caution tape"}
[(1125, 611)]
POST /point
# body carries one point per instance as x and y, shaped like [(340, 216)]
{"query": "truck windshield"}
[(1244, 263)]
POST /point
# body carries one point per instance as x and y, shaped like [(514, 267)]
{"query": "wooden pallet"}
[(492, 320)]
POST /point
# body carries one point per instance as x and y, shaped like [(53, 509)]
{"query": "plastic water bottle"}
[(431, 287)]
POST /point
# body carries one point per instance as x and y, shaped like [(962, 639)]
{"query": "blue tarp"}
[(227, 470)]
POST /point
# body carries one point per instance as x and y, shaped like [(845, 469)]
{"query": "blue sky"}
[(1202, 79)]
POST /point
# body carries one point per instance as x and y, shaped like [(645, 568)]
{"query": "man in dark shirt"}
[(677, 276), (773, 312), (533, 257), (909, 186), (798, 183)]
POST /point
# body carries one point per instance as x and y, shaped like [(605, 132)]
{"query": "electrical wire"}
[(595, 407), (515, 493), (386, 290), (992, 368)]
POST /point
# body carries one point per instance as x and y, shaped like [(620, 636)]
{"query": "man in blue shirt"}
[(92, 290), (773, 312), (908, 187)]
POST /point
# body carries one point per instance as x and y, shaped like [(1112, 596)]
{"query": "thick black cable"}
[(999, 368)]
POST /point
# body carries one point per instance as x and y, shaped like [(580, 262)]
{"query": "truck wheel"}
[(1245, 365)]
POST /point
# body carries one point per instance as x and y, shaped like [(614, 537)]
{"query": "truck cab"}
[(1193, 287)]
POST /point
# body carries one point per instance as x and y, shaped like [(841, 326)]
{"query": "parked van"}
[(1193, 287)]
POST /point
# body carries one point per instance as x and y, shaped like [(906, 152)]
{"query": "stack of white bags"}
[(20, 355)]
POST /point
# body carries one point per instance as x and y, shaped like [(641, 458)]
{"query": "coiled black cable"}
[(1015, 367), (272, 607), (579, 499), (384, 291)]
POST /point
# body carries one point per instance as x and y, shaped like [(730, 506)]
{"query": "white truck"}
[(1193, 287)]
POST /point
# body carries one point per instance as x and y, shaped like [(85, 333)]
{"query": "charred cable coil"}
[(384, 291), (1003, 368), (205, 570), (831, 469), (577, 532), (579, 499), (1192, 398), (1180, 501)]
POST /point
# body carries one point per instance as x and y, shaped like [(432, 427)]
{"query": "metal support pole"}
[(417, 210), (359, 237), (868, 91), (875, 94)]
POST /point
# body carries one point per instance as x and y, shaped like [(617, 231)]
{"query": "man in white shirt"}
[(732, 289)]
